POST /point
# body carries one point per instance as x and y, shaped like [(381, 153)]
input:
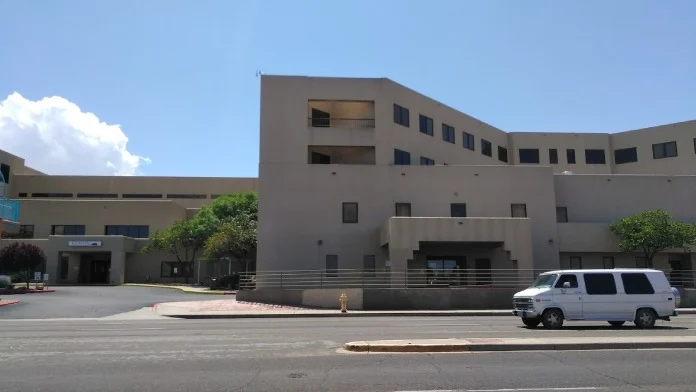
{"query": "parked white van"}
[(641, 296)]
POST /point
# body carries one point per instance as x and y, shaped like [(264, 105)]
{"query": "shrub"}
[(5, 282)]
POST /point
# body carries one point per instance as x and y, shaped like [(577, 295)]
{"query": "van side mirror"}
[(566, 285)]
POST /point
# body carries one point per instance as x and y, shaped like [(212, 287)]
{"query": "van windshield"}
[(544, 281)]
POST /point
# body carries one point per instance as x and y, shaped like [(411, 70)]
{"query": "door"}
[(100, 271), (600, 300), (569, 298), (483, 272)]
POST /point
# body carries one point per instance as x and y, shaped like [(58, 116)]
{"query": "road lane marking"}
[(118, 329), (512, 390)]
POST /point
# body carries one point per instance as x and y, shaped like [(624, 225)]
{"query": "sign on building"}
[(84, 243)]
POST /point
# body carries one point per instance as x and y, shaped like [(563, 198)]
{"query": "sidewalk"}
[(5, 302), (185, 289), (520, 344)]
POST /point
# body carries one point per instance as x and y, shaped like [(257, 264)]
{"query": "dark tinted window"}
[(664, 150), (561, 214), (403, 209), (572, 279), (595, 157), (637, 283), (426, 161), (553, 155), (402, 157), (529, 155), (570, 156), (502, 154), (401, 115), (447, 133), (625, 155), (350, 212), (55, 195), (68, 230), (600, 284), (141, 195), (425, 125), (133, 231), (98, 195), (468, 141), (458, 210), (486, 148), (5, 170), (320, 159)]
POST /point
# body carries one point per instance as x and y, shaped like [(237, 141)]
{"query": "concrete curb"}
[(337, 314), (531, 345), (187, 290), (20, 292), (8, 302)]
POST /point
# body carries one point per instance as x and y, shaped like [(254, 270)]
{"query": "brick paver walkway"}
[(228, 305)]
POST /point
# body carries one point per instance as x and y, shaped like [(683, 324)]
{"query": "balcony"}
[(341, 114), (340, 155)]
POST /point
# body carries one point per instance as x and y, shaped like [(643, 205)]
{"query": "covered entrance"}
[(85, 267)]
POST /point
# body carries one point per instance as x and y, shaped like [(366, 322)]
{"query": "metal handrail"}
[(413, 278)]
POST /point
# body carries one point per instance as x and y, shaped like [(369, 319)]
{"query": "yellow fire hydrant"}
[(344, 302)]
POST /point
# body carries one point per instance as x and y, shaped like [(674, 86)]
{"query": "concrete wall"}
[(562, 142)]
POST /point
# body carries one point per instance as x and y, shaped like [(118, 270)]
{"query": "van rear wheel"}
[(552, 319), (645, 318), (531, 322), (617, 324)]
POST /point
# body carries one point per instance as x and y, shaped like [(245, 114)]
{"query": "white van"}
[(641, 296)]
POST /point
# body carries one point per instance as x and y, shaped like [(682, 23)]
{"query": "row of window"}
[(350, 211), (634, 283), (115, 195), (607, 262), (133, 231), (427, 127)]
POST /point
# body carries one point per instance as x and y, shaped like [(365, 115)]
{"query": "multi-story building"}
[(368, 174), (93, 228)]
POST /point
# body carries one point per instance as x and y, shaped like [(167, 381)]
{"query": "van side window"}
[(572, 279), (636, 284), (600, 284)]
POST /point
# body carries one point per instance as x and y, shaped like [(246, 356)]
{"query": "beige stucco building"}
[(93, 228), (368, 174)]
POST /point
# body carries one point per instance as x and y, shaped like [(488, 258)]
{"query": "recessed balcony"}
[(341, 155), (341, 114)]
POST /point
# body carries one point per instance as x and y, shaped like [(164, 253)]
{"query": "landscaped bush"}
[(5, 282)]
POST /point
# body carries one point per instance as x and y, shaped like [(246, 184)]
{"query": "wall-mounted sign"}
[(84, 243)]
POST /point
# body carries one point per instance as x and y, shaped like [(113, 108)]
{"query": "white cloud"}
[(54, 136)]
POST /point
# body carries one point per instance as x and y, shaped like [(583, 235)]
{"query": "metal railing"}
[(414, 278), (317, 122)]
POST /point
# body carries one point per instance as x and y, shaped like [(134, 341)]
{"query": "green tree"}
[(651, 232), (22, 259), (236, 238), (185, 240), (228, 207)]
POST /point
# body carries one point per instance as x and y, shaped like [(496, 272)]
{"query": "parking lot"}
[(90, 301)]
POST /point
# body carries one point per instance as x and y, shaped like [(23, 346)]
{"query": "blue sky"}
[(179, 77)]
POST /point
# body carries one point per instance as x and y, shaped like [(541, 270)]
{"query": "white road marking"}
[(116, 329), (513, 390)]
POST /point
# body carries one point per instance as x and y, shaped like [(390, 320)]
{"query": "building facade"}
[(93, 228), (368, 174)]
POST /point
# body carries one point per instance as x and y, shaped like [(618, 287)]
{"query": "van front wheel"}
[(645, 318), (552, 319)]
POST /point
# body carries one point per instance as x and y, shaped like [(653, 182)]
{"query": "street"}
[(304, 355)]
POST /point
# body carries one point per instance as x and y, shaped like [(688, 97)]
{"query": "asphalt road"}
[(304, 355), (90, 301)]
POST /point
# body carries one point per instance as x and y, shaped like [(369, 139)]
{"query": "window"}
[(176, 269), (486, 148), (570, 156), (318, 158), (575, 262), (608, 262), (518, 210), (53, 195), (22, 194), (68, 230), (320, 118), (185, 196), (641, 262), (625, 155), (447, 133), (458, 210), (426, 161), (332, 266), (141, 196), (401, 157), (695, 145), (369, 265), (26, 232), (600, 284), (468, 141), (562, 214), (98, 195), (529, 155), (595, 157), (572, 279), (553, 155), (350, 212), (401, 116), (133, 231), (425, 125), (5, 170), (502, 154), (403, 209), (664, 150), (637, 284)]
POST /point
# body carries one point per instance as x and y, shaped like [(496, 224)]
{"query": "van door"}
[(569, 298), (600, 301)]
